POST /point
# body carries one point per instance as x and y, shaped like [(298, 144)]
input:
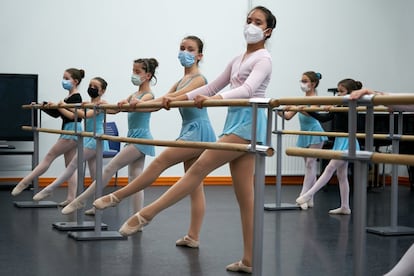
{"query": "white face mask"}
[(304, 87), (253, 34), (136, 80)]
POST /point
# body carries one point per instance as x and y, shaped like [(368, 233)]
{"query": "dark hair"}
[(198, 41), (149, 65), (350, 85), (314, 77), (270, 18), (76, 74), (103, 82)]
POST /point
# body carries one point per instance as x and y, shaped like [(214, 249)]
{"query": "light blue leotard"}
[(239, 122), (308, 123), (138, 127), (90, 142), (196, 124)]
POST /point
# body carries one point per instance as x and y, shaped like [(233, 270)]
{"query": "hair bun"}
[(319, 75)]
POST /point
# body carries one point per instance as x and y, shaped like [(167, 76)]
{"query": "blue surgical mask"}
[(186, 58), (136, 80), (67, 84)]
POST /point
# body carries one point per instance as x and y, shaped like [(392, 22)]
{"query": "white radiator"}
[(291, 165)]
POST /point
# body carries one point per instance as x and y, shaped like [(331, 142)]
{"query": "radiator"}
[(291, 165)]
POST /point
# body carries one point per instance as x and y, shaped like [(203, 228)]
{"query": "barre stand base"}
[(391, 230), (35, 204), (281, 206), (76, 226), (94, 236)]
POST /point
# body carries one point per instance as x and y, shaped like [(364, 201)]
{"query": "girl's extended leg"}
[(127, 155), (206, 163), (323, 179), (405, 266), (72, 181), (60, 147), (310, 174), (70, 170), (166, 159)]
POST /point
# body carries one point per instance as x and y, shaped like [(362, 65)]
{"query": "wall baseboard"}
[(210, 180)]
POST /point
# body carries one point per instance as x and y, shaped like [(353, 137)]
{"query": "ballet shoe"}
[(310, 203), (19, 188), (188, 242), (42, 195), (73, 206), (239, 267), (127, 230), (90, 212), (304, 206), (340, 211), (106, 201), (64, 203), (303, 199)]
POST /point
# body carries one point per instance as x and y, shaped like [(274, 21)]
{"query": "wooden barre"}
[(393, 99), (345, 134), (331, 100), (183, 144), (337, 100), (127, 107), (375, 157), (334, 109)]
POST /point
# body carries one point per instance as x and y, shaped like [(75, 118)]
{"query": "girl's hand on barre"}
[(166, 102), (327, 107), (134, 101), (361, 92), (121, 103), (199, 99)]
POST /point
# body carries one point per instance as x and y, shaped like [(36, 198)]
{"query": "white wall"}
[(367, 40)]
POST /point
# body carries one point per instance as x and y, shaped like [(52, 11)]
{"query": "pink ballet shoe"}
[(303, 199), (106, 201), (90, 212), (73, 206), (42, 195), (188, 242), (64, 203), (239, 267), (127, 229), (19, 188), (340, 211)]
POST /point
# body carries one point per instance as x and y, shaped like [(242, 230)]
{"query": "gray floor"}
[(295, 242)]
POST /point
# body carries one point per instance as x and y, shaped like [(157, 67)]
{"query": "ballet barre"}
[(260, 151), (359, 158), (267, 151), (374, 157), (271, 103), (331, 108), (346, 134), (361, 164), (341, 100)]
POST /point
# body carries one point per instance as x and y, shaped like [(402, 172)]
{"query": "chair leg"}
[(116, 179)]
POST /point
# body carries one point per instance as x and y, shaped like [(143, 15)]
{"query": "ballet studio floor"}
[(295, 242)]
